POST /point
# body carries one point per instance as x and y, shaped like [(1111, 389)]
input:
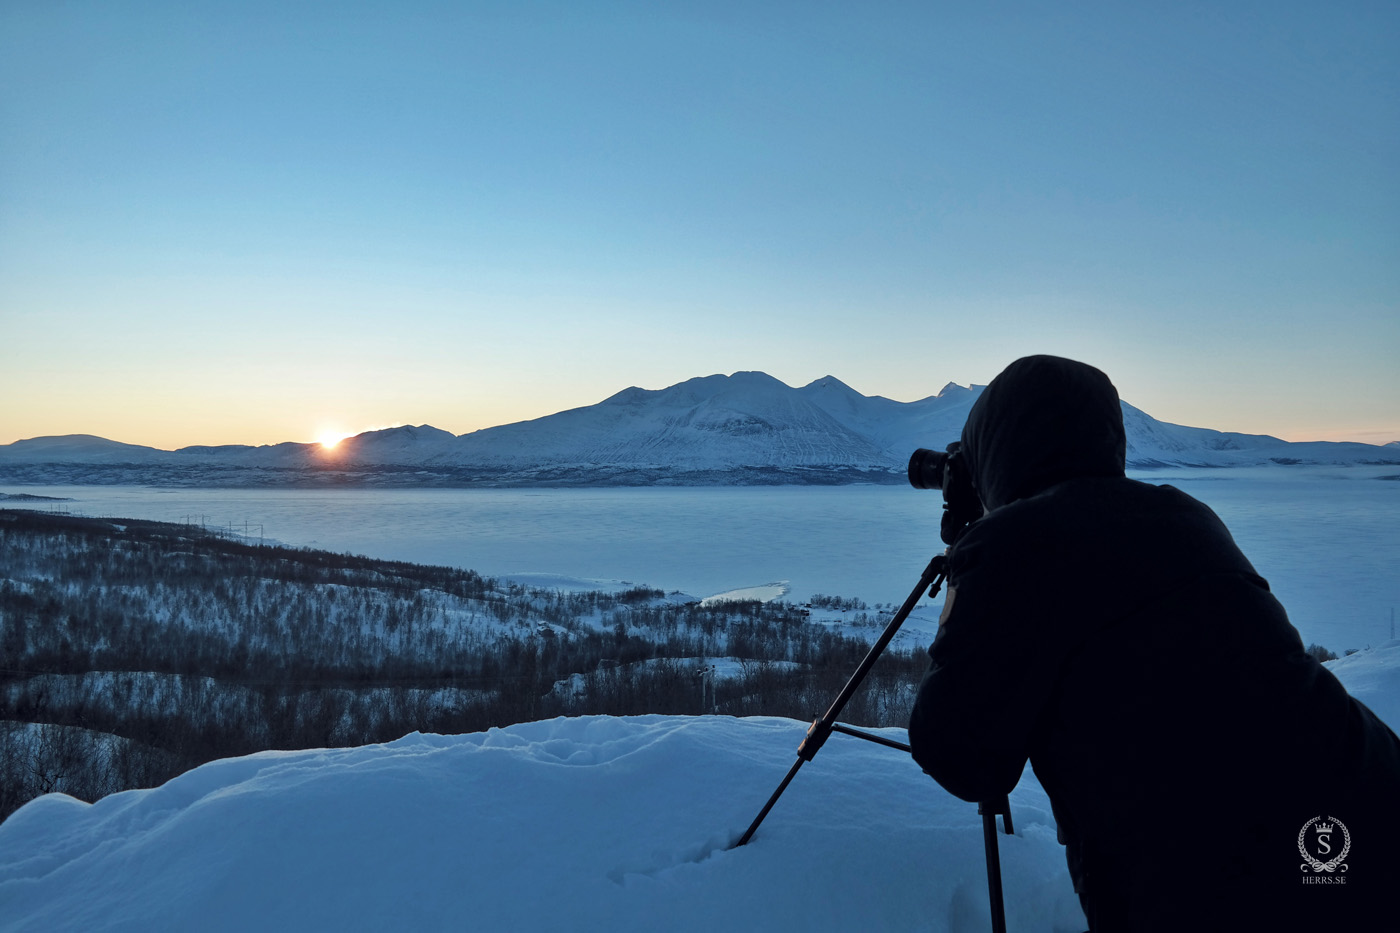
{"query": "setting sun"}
[(330, 439)]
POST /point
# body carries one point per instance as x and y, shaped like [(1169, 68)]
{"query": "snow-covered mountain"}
[(743, 428), (715, 423), (77, 448)]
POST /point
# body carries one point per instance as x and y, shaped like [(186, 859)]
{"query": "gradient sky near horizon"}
[(258, 222)]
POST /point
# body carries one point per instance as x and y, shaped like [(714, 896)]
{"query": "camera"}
[(947, 471)]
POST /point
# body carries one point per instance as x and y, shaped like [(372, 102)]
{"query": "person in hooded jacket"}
[(1110, 632)]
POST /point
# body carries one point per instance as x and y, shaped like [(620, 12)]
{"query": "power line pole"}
[(707, 678)]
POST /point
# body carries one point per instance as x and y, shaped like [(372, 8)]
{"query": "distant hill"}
[(744, 429)]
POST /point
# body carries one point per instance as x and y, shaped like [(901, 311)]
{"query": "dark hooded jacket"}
[(1111, 633)]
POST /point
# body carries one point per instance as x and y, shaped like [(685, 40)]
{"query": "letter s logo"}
[(1322, 844)]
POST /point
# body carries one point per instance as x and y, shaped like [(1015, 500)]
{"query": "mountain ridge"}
[(743, 428)]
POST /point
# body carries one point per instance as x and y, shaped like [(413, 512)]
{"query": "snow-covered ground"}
[(762, 593), (1327, 539), (571, 824)]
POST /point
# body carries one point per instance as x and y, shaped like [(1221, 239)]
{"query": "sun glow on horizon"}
[(329, 439)]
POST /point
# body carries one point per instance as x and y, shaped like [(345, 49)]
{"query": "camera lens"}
[(926, 468)]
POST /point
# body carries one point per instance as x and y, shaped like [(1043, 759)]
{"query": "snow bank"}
[(1373, 677), (571, 824), (579, 824), (763, 593)]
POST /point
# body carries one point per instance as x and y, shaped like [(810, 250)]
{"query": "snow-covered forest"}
[(135, 650)]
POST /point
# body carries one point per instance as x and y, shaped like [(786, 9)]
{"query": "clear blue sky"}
[(255, 222)]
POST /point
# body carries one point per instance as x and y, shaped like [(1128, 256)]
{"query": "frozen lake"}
[(1328, 540)]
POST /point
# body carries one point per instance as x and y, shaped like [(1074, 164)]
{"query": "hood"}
[(1044, 420)]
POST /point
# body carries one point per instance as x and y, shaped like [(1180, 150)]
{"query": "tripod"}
[(931, 582)]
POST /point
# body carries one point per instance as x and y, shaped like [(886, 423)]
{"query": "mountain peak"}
[(408, 432), (751, 378), (78, 448), (830, 383)]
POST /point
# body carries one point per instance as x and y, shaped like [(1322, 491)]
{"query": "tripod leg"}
[(989, 813), (821, 729), (792, 773)]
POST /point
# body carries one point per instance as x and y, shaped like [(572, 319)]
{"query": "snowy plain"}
[(584, 824)]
